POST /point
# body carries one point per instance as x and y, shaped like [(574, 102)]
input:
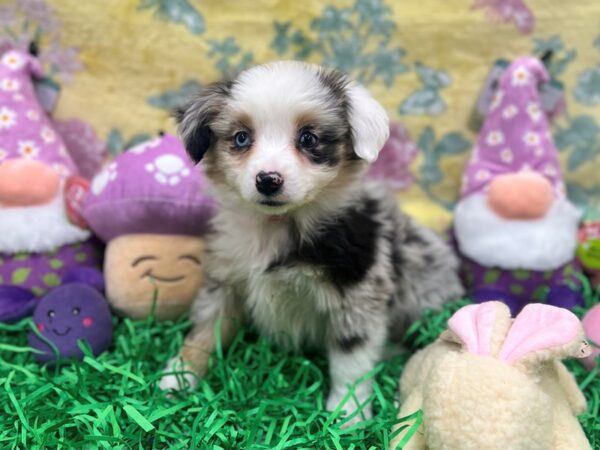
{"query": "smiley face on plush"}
[(142, 266), (150, 206), (67, 314)]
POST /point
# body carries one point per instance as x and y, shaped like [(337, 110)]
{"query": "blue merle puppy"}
[(302, 247)]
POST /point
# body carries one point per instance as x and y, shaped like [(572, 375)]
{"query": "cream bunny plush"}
[(493, 383)]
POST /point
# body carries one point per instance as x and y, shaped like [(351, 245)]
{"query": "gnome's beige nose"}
[(525, 195), (26, 183)]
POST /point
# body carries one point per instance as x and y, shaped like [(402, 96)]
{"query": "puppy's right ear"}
[(195, 119)]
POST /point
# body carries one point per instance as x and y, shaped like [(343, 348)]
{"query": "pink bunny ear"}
[(539, 327), (474, 325)]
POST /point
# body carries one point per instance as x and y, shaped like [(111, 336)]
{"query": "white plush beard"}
[(36, 229), (493, 241)]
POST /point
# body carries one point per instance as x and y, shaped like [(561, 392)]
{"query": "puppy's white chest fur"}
[(288, 303)]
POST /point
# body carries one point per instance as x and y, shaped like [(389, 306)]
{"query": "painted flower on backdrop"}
[(576, 136), (430, 173), (84, 147), (176, 11), (355, 38), (509, 11), (393, 164), (26, 21), (427, 99)]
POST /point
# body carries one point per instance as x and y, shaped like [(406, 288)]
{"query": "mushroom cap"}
[(151, 188)]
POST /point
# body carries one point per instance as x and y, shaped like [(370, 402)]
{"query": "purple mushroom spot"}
[(67, 314)]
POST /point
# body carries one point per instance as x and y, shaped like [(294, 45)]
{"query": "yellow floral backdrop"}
[(122, 64)]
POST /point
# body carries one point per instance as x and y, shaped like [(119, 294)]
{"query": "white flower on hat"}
[(510, 111), (168, 169), (550, 170), (47, 135), (496, 99), (534, 111), (520, 76), (28, 149), (495, 137), (482, 175), (32, 114), (531, 138), (101, 180), (506, 155), (61, 169), (8, 118), (9, 84), (13, 60), (539, 152)]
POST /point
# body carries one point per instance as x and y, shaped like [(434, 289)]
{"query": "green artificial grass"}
[(255, 397)]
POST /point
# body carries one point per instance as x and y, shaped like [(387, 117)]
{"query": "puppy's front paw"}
[(183, 380), (349, 407)]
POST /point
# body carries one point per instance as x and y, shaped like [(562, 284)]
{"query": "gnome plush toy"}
[(151, 207), (39, 188), (514, 227)]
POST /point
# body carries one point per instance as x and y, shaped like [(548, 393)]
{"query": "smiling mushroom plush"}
[(150, 206)]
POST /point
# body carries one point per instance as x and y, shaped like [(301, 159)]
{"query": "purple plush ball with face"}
[(69, 313)]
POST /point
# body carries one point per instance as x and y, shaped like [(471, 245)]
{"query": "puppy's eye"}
[(76, 311), (51, 314), (307, 140), (242, 139)]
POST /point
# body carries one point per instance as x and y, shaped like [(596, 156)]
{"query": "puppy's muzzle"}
[(269, 183)]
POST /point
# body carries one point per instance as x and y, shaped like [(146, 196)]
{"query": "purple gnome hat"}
[(516, 134), (25, 129), (151, 188)]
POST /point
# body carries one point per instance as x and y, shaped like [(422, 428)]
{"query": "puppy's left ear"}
[(369, 122), (195, 119)]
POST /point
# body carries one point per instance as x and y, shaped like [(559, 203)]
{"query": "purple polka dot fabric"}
[(40, 272), (516, 135)]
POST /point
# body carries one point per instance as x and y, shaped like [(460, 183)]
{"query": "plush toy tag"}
[(551, 95), (47, 92), (588, 243), (76, 189)]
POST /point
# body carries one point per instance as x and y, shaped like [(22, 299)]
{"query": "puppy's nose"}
[(268, 183)]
